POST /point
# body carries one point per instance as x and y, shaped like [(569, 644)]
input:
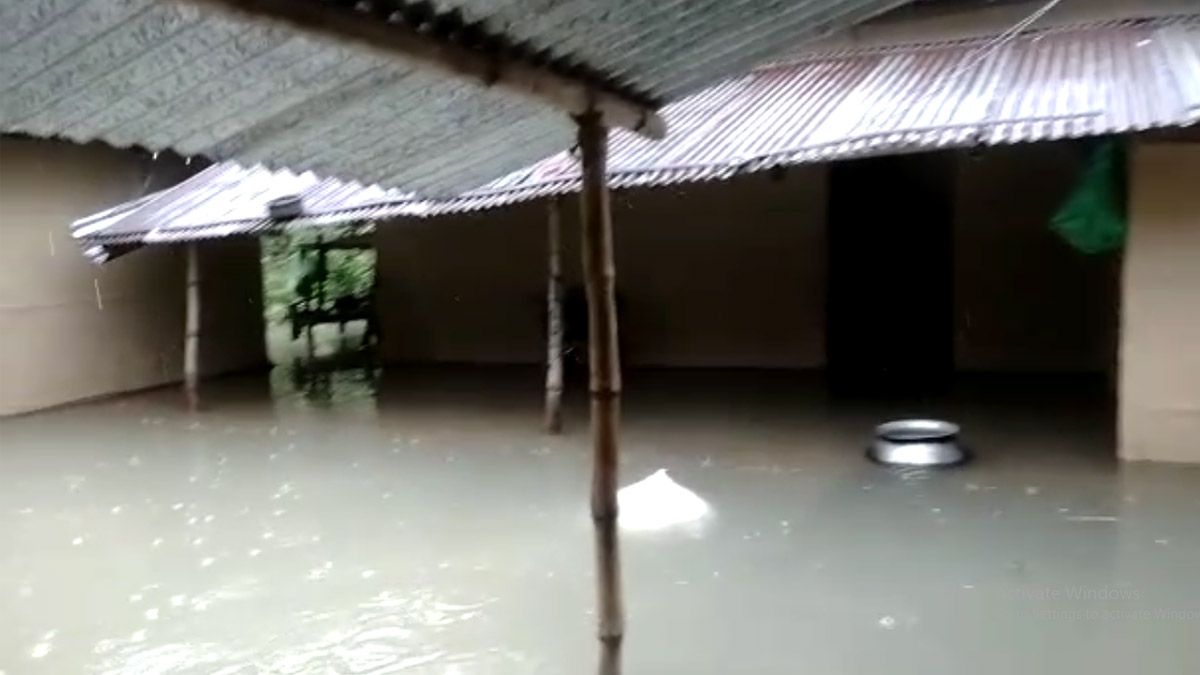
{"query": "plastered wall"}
[(1160, 350), (721, 274), (732, 274), (71, 330)]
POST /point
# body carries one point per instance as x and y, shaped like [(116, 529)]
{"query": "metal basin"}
[(917, 442)]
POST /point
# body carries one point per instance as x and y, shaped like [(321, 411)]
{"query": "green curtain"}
[(1092, 219)]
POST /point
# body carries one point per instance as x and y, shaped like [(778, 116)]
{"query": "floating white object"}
[(656, 502)]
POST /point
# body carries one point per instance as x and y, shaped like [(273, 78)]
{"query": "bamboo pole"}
[(554, 317), (600, 275), (191, 341)]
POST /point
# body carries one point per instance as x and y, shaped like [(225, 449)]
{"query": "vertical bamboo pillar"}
[(554, 318), (600, 275), (191, 341)]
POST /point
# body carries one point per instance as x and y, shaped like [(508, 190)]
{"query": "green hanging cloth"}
[(1092, 219)]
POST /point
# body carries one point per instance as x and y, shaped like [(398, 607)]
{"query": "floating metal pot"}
[(917, 442)]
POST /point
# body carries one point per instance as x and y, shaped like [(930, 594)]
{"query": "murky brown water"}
[(437, 531)]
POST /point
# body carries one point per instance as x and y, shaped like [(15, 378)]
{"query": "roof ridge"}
[(913, 45)]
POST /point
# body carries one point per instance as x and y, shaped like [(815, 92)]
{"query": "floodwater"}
[(433, 529)]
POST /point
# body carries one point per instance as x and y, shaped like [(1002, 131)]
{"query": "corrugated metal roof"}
[(1044, 85), (181, 76), (1065, 83)]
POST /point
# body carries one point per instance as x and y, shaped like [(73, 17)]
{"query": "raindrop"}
[(1032, 490), (887, 622), (254, 552), (135, 461), (77, 541), (1162, 542), (178, 600), (152, 614), (207, 562), (367, 574), (116, 510)]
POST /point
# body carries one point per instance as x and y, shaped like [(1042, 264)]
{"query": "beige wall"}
[(1025, 301), (733, 274), (58, 341), (1160, 353), (721, 274)]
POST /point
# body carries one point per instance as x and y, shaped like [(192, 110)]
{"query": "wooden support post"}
[(191, 342), (417, 45), (600, 277), (554, 317)]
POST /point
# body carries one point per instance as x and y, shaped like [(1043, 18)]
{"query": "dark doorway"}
[(891, 275)]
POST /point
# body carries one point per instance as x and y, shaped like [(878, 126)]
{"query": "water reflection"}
[(328, 383), (435, 529)]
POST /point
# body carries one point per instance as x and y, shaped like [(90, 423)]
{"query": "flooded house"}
[(863, 227), (883, 185)]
